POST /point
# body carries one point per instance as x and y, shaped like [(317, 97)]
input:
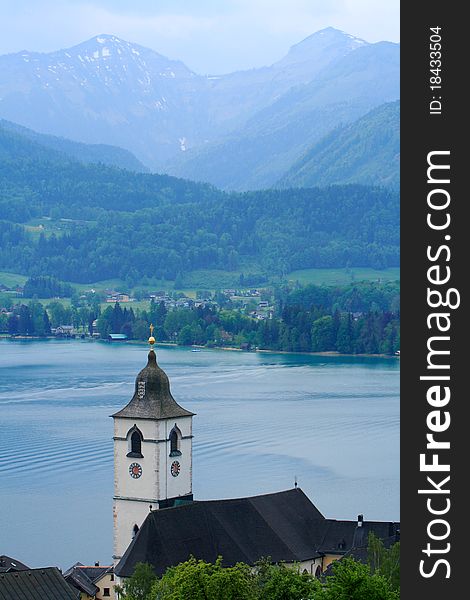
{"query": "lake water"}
[(262, 420)]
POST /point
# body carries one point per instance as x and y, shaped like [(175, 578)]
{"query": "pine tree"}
[(344, 338)]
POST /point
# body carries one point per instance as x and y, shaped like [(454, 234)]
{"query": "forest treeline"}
[(46, 287), (281, 231), (354, 319)]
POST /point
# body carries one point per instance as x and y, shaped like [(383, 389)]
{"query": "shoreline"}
[(330, 353)]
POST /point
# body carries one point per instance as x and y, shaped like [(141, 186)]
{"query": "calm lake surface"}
[(262, 420)]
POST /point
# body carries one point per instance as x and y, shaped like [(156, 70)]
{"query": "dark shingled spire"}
[(152, 398)]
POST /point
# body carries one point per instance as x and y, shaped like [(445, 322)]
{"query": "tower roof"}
[(152, 398)]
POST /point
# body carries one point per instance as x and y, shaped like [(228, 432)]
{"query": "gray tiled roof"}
[(36, 584), (352, 536), (281, 525), (285, 526), (152, 398)]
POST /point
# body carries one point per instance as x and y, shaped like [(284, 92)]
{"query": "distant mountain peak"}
[(327, 37), (110, 42), (328, 43), (105, 39), (109, 47), (327, 31), (102, 38), (331, 31)]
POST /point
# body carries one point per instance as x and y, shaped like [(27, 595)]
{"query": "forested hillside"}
[(88, 222), (258, 154), (86, 153), (366, 152)]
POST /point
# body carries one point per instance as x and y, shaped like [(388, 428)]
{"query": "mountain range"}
[(244, 130)]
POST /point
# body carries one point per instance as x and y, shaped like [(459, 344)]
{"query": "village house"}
[(92, 582), (113, 297), (66, 331), (117, 337), (184, 303), (159, 296), (15, 291)]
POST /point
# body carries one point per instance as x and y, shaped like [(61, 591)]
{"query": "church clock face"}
[(175, 468), (135, 470)]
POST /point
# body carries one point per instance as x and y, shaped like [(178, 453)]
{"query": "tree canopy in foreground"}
[(199, 580)]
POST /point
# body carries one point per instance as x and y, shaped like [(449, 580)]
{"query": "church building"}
[(157, 521), (152, 454)]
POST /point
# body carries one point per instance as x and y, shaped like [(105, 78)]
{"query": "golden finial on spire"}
[(151, 338)]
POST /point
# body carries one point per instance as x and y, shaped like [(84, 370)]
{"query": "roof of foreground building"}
[(285, 526), (36, 584)]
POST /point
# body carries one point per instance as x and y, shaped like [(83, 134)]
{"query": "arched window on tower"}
[(175, 441), (134, 440)]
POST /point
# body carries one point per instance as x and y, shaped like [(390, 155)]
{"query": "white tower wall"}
[(133, 496)]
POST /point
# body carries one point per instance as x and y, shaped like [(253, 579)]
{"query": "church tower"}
[(152, 453)]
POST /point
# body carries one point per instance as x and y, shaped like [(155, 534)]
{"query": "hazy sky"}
[(210, 36)]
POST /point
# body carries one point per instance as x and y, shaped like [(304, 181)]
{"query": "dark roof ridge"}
[(241, 548), (328, 523), (36, 569), (256, 496), (233, 500), (275, 532), (213, 537), (365, 522)]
